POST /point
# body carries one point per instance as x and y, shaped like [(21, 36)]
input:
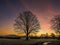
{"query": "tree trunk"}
[(27, 36), (27, 33)]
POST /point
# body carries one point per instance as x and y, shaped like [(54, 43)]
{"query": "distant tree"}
[(52, 35), (55, 23), (42, 35), (26, 23), (46, 35)]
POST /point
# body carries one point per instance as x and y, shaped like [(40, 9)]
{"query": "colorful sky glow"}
[(43, 9)]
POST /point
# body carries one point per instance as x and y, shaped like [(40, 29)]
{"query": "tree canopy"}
[(27, 23), (55, 23)]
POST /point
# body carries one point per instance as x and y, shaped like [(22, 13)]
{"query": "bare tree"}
[(26, 23), (55, 22)]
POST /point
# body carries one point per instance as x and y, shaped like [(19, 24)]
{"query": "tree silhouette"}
[(46, 35), (56, 23), (52, 35), (26, 23)]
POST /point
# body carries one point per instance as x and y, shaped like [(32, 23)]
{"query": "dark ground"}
[(29, 42)]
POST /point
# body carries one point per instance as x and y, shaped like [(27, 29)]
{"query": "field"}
[(29, 42)]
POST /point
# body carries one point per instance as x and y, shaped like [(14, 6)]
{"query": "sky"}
[(45, 10)]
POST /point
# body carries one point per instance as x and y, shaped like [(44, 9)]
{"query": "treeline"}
[(35, 37), (46, 36), (10, 37), (42, 36)]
